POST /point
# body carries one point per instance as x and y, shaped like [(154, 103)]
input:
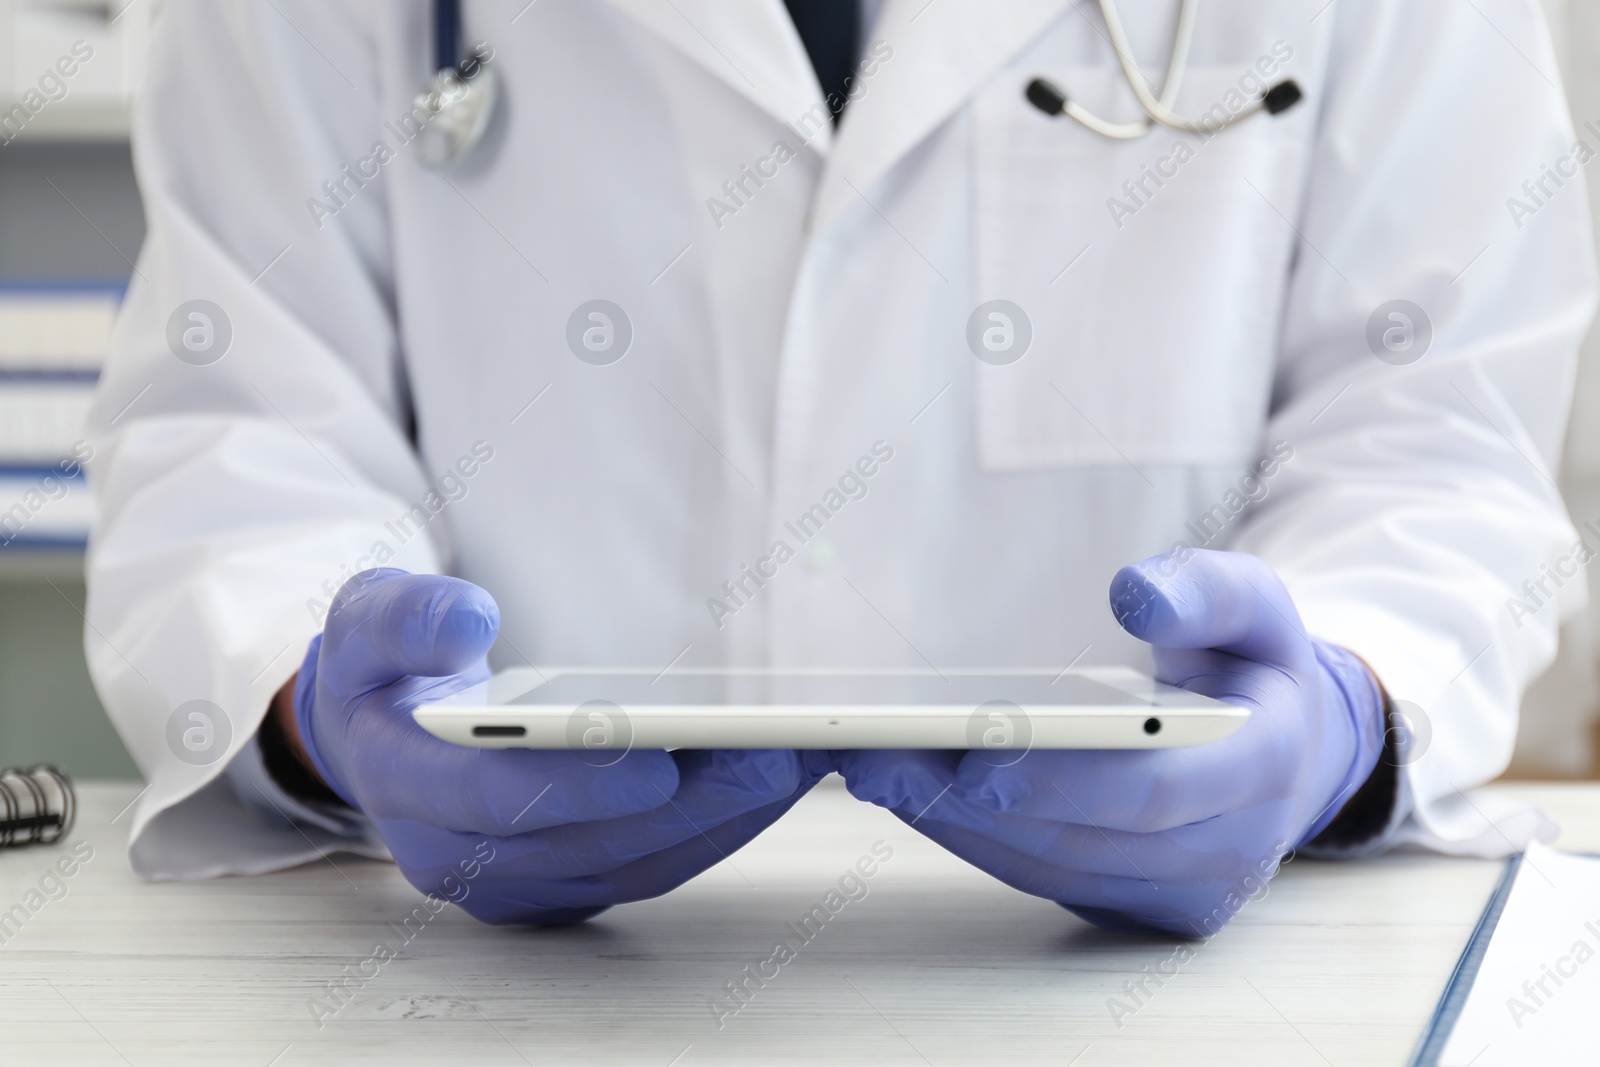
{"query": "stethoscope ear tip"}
[(1046, 96), (1282, 97)]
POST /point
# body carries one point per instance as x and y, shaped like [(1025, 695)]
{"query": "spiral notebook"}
[(37, 806), (1527, 986)]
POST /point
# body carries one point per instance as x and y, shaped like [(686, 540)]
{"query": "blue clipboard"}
[(1431, 1045)]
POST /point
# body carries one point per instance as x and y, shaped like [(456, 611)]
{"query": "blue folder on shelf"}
[(53, 339)]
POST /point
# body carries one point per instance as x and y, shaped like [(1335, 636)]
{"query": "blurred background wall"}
[(1558, 733), (70, 227), (70, 224)]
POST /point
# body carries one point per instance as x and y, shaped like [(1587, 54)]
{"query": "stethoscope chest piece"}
[(458, 102)]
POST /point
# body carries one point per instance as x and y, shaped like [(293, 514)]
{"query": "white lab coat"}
[(384, 333)]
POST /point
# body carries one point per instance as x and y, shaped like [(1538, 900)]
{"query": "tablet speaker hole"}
[(522, 731), (1152, 726)]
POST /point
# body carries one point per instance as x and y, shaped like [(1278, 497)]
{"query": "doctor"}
[(673, 368)]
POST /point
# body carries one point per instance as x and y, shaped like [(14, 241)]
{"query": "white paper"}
[(1537, 994)]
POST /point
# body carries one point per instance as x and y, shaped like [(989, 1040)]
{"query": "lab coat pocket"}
[(1128, 292)]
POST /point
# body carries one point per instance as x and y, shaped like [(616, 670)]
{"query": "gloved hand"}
[(512, 835), (1169, 839)]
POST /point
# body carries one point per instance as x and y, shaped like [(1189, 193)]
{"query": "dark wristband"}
[(286, 769)]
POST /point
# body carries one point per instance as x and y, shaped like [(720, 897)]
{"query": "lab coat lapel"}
[(751, 45), (944, 51)]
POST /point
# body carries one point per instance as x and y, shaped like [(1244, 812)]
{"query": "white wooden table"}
[(1338, 964)]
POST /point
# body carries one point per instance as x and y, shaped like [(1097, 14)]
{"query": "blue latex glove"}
[(512, 835), (1169, 839)]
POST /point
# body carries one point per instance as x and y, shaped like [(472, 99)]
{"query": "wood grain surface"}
[(1340, 963)]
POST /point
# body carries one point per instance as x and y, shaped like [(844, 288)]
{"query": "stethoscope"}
[(1052, 100), (459, 97)]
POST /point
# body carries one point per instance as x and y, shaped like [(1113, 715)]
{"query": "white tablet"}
[(617, 710)]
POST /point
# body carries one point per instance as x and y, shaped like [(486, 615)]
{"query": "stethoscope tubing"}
[(1049, 98), (446, 33)]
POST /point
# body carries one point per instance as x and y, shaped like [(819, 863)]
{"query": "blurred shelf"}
[(98, 120), (69, 68)]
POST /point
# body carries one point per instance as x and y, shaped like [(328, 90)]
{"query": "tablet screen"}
[(690, 688)]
